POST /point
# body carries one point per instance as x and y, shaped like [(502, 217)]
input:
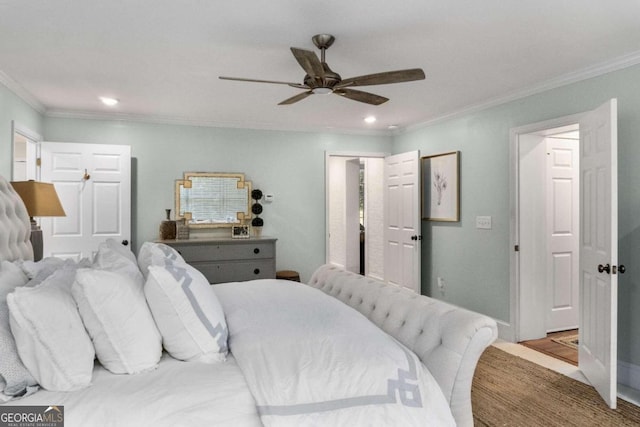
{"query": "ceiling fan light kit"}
[(321, 80)]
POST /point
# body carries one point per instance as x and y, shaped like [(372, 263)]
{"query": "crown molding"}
[(21, 93), (183, 121), (617, 64)]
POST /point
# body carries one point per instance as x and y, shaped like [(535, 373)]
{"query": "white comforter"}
[(176, 394), (310, 360)]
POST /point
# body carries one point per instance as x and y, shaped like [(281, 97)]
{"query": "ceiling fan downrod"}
[(323, 42)]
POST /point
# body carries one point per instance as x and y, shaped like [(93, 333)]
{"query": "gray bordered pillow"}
[(187, 313), (155, 254)]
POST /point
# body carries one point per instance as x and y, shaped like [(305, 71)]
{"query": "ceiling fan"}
[(320, 79)]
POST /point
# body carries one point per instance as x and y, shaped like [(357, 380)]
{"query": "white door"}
[(93, 182), (402, 220), (563, 216), (599, 249)]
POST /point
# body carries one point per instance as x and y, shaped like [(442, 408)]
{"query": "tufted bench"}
[(448, 340)]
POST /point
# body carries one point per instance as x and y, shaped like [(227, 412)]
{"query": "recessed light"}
[(370, 119), (109, 101)]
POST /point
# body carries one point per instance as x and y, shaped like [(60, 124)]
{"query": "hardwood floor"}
[(554, 349)]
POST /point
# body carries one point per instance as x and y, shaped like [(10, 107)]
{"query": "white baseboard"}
[(629, 374), (505, 331)]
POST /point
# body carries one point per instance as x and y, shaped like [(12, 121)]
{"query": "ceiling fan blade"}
[(309, 62), (358, 95), (239, 79), (294, 99), (398, 76)]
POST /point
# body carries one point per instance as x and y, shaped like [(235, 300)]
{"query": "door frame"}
[(514, 332), (327, 185), (31, 136)]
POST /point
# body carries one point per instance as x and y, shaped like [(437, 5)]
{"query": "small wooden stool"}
[(288, 275)]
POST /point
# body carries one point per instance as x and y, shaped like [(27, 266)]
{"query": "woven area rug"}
[(510, 391), (569, 341)]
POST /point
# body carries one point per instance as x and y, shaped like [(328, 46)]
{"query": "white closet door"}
[(93, 182)]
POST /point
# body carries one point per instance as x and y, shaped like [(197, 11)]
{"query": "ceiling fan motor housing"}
[(328, 80)]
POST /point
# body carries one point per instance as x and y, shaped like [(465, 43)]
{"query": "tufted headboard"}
[(15, 228), (448, 340)]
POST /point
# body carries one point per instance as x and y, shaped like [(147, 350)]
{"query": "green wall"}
[(289, 165), (475, 263)]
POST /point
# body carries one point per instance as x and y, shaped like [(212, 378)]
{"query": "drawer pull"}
[(256, 271), (256, 251)]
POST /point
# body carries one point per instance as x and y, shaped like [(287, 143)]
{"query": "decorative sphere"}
[(256, 208), (256, 194)]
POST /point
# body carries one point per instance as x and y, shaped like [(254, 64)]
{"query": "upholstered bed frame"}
[(447, 339), (15, 228)]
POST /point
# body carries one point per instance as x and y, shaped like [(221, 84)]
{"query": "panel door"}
[(93, 182), (563, 218), (598, 349), (402, 220)]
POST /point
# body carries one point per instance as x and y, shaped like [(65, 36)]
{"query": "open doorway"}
[(598, 241), (24, 148), (549, 228), (355, 212), (549, 217)]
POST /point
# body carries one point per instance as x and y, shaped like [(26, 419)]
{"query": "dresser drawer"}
[(223, 252), (237, 271)]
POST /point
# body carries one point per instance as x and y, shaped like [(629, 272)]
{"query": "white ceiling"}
[(162, 58)]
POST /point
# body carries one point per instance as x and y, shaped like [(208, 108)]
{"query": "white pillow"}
[(46, 266), (115, 312), (17, 378), (113, 256), (155, 254), (187, 312), (49, 334)]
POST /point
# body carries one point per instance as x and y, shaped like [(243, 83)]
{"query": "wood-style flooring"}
[(553, 349)]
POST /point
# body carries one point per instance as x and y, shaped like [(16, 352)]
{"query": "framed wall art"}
[(441, 187)]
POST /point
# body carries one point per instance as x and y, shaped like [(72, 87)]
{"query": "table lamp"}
[(40, 199)]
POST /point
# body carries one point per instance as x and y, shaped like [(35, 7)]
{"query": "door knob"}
[(603, 268), (620, 269), (414, 237), (125, 242)]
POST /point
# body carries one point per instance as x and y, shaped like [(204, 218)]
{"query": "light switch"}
[(483, 222)]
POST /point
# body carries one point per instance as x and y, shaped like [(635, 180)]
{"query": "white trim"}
[(505, 331), (24, 131), (629, 374), (514, 197), (328, 154), (616, 64), (29, 135), (184, 121), (21, 92)]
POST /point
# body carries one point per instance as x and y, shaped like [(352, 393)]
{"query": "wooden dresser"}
[(229, 260)]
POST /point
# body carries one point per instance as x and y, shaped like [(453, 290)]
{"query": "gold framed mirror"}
[(212, 200)]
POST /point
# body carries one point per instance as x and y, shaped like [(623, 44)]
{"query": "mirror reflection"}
[(207, 200)]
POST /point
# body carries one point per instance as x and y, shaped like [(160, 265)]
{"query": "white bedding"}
[(176, 394), (310, 360)]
